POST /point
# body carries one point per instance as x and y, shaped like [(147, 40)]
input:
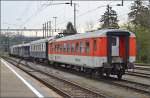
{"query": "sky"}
[(32, 14)]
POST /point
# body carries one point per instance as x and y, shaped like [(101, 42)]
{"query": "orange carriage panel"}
[(102, 46), (122, 43), (132, 46)]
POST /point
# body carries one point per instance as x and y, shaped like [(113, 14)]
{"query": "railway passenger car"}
[(14, 50), (39, 49), (21, 50), (108, 51)]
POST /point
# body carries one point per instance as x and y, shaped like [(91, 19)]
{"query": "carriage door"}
[(115, 46)]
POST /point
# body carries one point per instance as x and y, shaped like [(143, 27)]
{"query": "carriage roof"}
[(20, 45), (42, 40), (98, 33)]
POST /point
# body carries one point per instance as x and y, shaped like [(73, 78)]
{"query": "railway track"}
[(141, 64), (143, 75), (65, 88), (139, 87), (142, 68), (142, 88)]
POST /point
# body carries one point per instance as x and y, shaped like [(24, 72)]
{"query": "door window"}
[(114, 41)]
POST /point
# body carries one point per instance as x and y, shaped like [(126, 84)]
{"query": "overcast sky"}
[(32, 14)]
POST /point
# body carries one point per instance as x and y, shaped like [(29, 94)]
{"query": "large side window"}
[(68, 47), (77, 47), (114, 41), (41, 46), (60, 47), (81, 47), (95, 45), (72, 47), (55, 48), (87, 47), (64, 47)]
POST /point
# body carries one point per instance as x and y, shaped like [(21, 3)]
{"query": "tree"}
[(69, 29), (140, 20), (109, 18), (140, 14)]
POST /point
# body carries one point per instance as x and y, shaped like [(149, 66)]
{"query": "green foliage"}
[(109, 18), (140, 14)]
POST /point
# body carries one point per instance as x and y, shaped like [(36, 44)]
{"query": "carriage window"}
[(42, 47), (72, 47), (87, 47), (68, 47), (77, 47), (35, 47), (95, 45), (58, 48), (114, 41), (81, 47), (55, 47), (64, 47)]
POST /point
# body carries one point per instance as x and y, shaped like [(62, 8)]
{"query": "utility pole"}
[(55, 22), (43, 30), (71, 2), (75, 15), (36, 33), (50, 29), (47, 29), (122, 3)]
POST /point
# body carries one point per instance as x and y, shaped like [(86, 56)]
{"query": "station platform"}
[(15, 83)]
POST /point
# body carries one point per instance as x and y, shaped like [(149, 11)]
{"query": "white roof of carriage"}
[(42, 40), (20, 45), (98, 33)]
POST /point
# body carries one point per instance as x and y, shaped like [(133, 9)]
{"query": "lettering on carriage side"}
[(77, 60)]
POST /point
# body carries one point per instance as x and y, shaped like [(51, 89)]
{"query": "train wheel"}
[(107, 74), (119, 75)]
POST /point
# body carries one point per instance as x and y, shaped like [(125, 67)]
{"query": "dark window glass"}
[(114, 40), (95, 45), (77, 47), (68, 47), (81, 47), (87, 47), (72, 47), (64, 47)]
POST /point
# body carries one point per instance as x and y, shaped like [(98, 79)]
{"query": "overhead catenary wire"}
[(25, 11), (40, 9), (89, 11)]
